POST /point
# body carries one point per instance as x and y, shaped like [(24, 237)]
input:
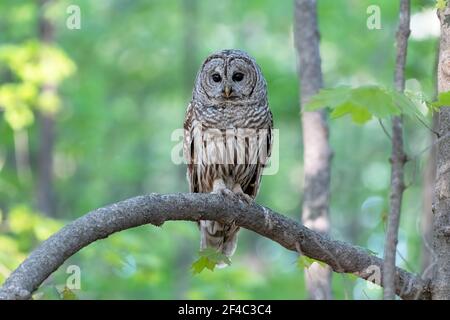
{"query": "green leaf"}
[(365, 102), (359, 114), (328, 98), (201, 264), (443, 100), (441, 4), (408, 104), (377, 101), (301, 263), (305, 262), (67, 294), (209, 258), (351, 276)]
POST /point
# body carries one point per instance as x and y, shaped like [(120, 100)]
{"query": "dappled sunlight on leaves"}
[(33, 66)]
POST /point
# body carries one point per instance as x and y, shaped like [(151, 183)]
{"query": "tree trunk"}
[(426, 225), (317, 151), (190, 44), (22, 157), (398, 158), (441, 207), (45, 193)]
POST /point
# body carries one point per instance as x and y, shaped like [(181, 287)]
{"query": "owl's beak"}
[(227, 91)]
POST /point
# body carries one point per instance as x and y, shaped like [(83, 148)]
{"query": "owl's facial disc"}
[(228, 79)]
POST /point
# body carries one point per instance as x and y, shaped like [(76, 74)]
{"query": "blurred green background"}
[(109, 96)]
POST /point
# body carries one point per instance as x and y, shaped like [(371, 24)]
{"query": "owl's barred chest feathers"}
[(230, 143), (232, 115)]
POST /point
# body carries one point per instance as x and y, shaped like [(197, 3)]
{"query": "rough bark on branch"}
[(156, 209), (398, 157)]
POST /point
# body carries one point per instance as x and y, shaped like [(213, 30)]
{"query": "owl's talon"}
[(227, 193), (245, 198)]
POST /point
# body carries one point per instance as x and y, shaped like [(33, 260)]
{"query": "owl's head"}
[(229, 75)]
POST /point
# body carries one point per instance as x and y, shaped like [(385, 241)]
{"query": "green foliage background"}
[(124, 83)]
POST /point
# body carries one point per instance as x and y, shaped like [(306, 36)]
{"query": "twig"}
[(384, 129), (427, 126)]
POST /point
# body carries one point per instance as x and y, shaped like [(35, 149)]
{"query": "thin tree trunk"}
[(190, 42), (398, 159), (441, 207), (429, 176), (426, 225), (317, 151), (45, 193), (22, 157)]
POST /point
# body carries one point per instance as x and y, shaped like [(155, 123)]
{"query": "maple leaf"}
[(441, 4)]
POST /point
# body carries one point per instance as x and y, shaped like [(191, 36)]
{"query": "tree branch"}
[(398, 158), (156, 209)]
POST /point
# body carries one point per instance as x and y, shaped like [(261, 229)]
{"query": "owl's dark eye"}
[(238, 76), (216, 77)]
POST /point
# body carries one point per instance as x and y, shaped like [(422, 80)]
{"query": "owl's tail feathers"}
[(222, 237)]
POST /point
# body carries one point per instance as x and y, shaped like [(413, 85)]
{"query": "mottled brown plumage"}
[(227, 136)]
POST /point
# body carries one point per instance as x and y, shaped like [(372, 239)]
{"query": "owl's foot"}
[(241, 196), (237, 189), (227, 193), (244, 198), (220, 188)]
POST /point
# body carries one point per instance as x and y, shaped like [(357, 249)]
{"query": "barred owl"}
[(227, 137)]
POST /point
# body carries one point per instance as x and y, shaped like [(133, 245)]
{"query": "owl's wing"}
[(188, 149), (255, 181)]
